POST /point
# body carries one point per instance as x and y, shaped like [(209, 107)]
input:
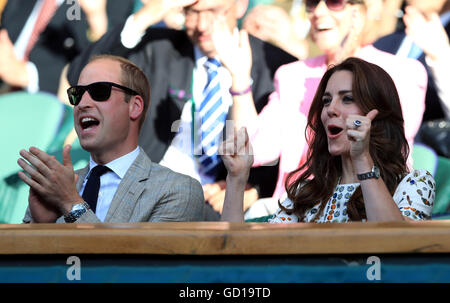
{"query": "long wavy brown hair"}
[(315, 181)]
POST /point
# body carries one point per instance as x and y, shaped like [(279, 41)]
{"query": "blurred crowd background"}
[(39, 39)]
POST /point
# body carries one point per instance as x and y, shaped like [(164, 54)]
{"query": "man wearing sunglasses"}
[(174, 62), (120, 184)]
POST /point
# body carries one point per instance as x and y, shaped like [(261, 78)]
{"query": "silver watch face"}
[(376, 171), (77, 211), (78, 206)]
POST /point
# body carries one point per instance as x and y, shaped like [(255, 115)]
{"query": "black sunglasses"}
[(333, 5), (99, 91)]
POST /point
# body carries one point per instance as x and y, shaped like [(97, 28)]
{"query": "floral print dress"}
[(414, 197)]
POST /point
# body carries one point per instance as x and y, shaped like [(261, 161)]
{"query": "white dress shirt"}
[(109, 182)]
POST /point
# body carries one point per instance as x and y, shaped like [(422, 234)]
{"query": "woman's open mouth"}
[(334, 131)]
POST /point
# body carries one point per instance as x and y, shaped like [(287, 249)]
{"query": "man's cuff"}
[(33, 78), (130, 36)]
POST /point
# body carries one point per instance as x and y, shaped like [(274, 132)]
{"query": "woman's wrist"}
[(238, 179), (241, 87), (362, 164), (241, 92)]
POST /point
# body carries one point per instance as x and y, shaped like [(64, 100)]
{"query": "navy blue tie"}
[(213, 113), (90, 193)]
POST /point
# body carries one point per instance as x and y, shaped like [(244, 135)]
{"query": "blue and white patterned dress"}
[(414, 197)]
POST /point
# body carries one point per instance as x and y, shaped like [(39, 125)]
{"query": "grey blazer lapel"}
[(81, 175), (129, 190)]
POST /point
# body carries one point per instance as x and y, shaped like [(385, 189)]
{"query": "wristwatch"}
[(77, 211), (374, 173)]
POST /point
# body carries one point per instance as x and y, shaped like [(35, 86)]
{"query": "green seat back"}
[(442, 178), (27, 120), (260, 219), (424, 158), (80, 157)]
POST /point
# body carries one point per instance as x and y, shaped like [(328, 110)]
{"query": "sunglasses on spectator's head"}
[(99, 91), (333, 5)]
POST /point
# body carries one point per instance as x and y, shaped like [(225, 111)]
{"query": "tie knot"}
[(212, 63), (99, 170)]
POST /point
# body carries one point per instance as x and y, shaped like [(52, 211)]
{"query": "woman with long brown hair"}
[(338, 30), (356, 163)]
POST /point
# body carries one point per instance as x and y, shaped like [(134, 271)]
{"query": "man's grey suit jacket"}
[(148, 192)]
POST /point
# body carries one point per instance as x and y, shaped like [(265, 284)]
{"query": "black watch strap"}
[(373, 174)]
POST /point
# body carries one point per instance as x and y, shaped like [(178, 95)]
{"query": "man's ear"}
[(136, 107), (241, 8)]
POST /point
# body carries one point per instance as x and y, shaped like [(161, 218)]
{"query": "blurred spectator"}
[(38, 38), (173, 19), (273, 24), (401, 44), (382, 17), (2, 6), (251, 5), (429, 34)]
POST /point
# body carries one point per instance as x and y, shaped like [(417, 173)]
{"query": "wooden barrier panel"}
[(221, 238)]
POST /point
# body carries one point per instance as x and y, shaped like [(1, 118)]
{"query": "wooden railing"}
[(221, 238)]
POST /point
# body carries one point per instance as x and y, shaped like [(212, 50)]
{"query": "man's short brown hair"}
[(132, 77)]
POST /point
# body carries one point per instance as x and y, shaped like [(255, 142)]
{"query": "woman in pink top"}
[(279, 130)]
